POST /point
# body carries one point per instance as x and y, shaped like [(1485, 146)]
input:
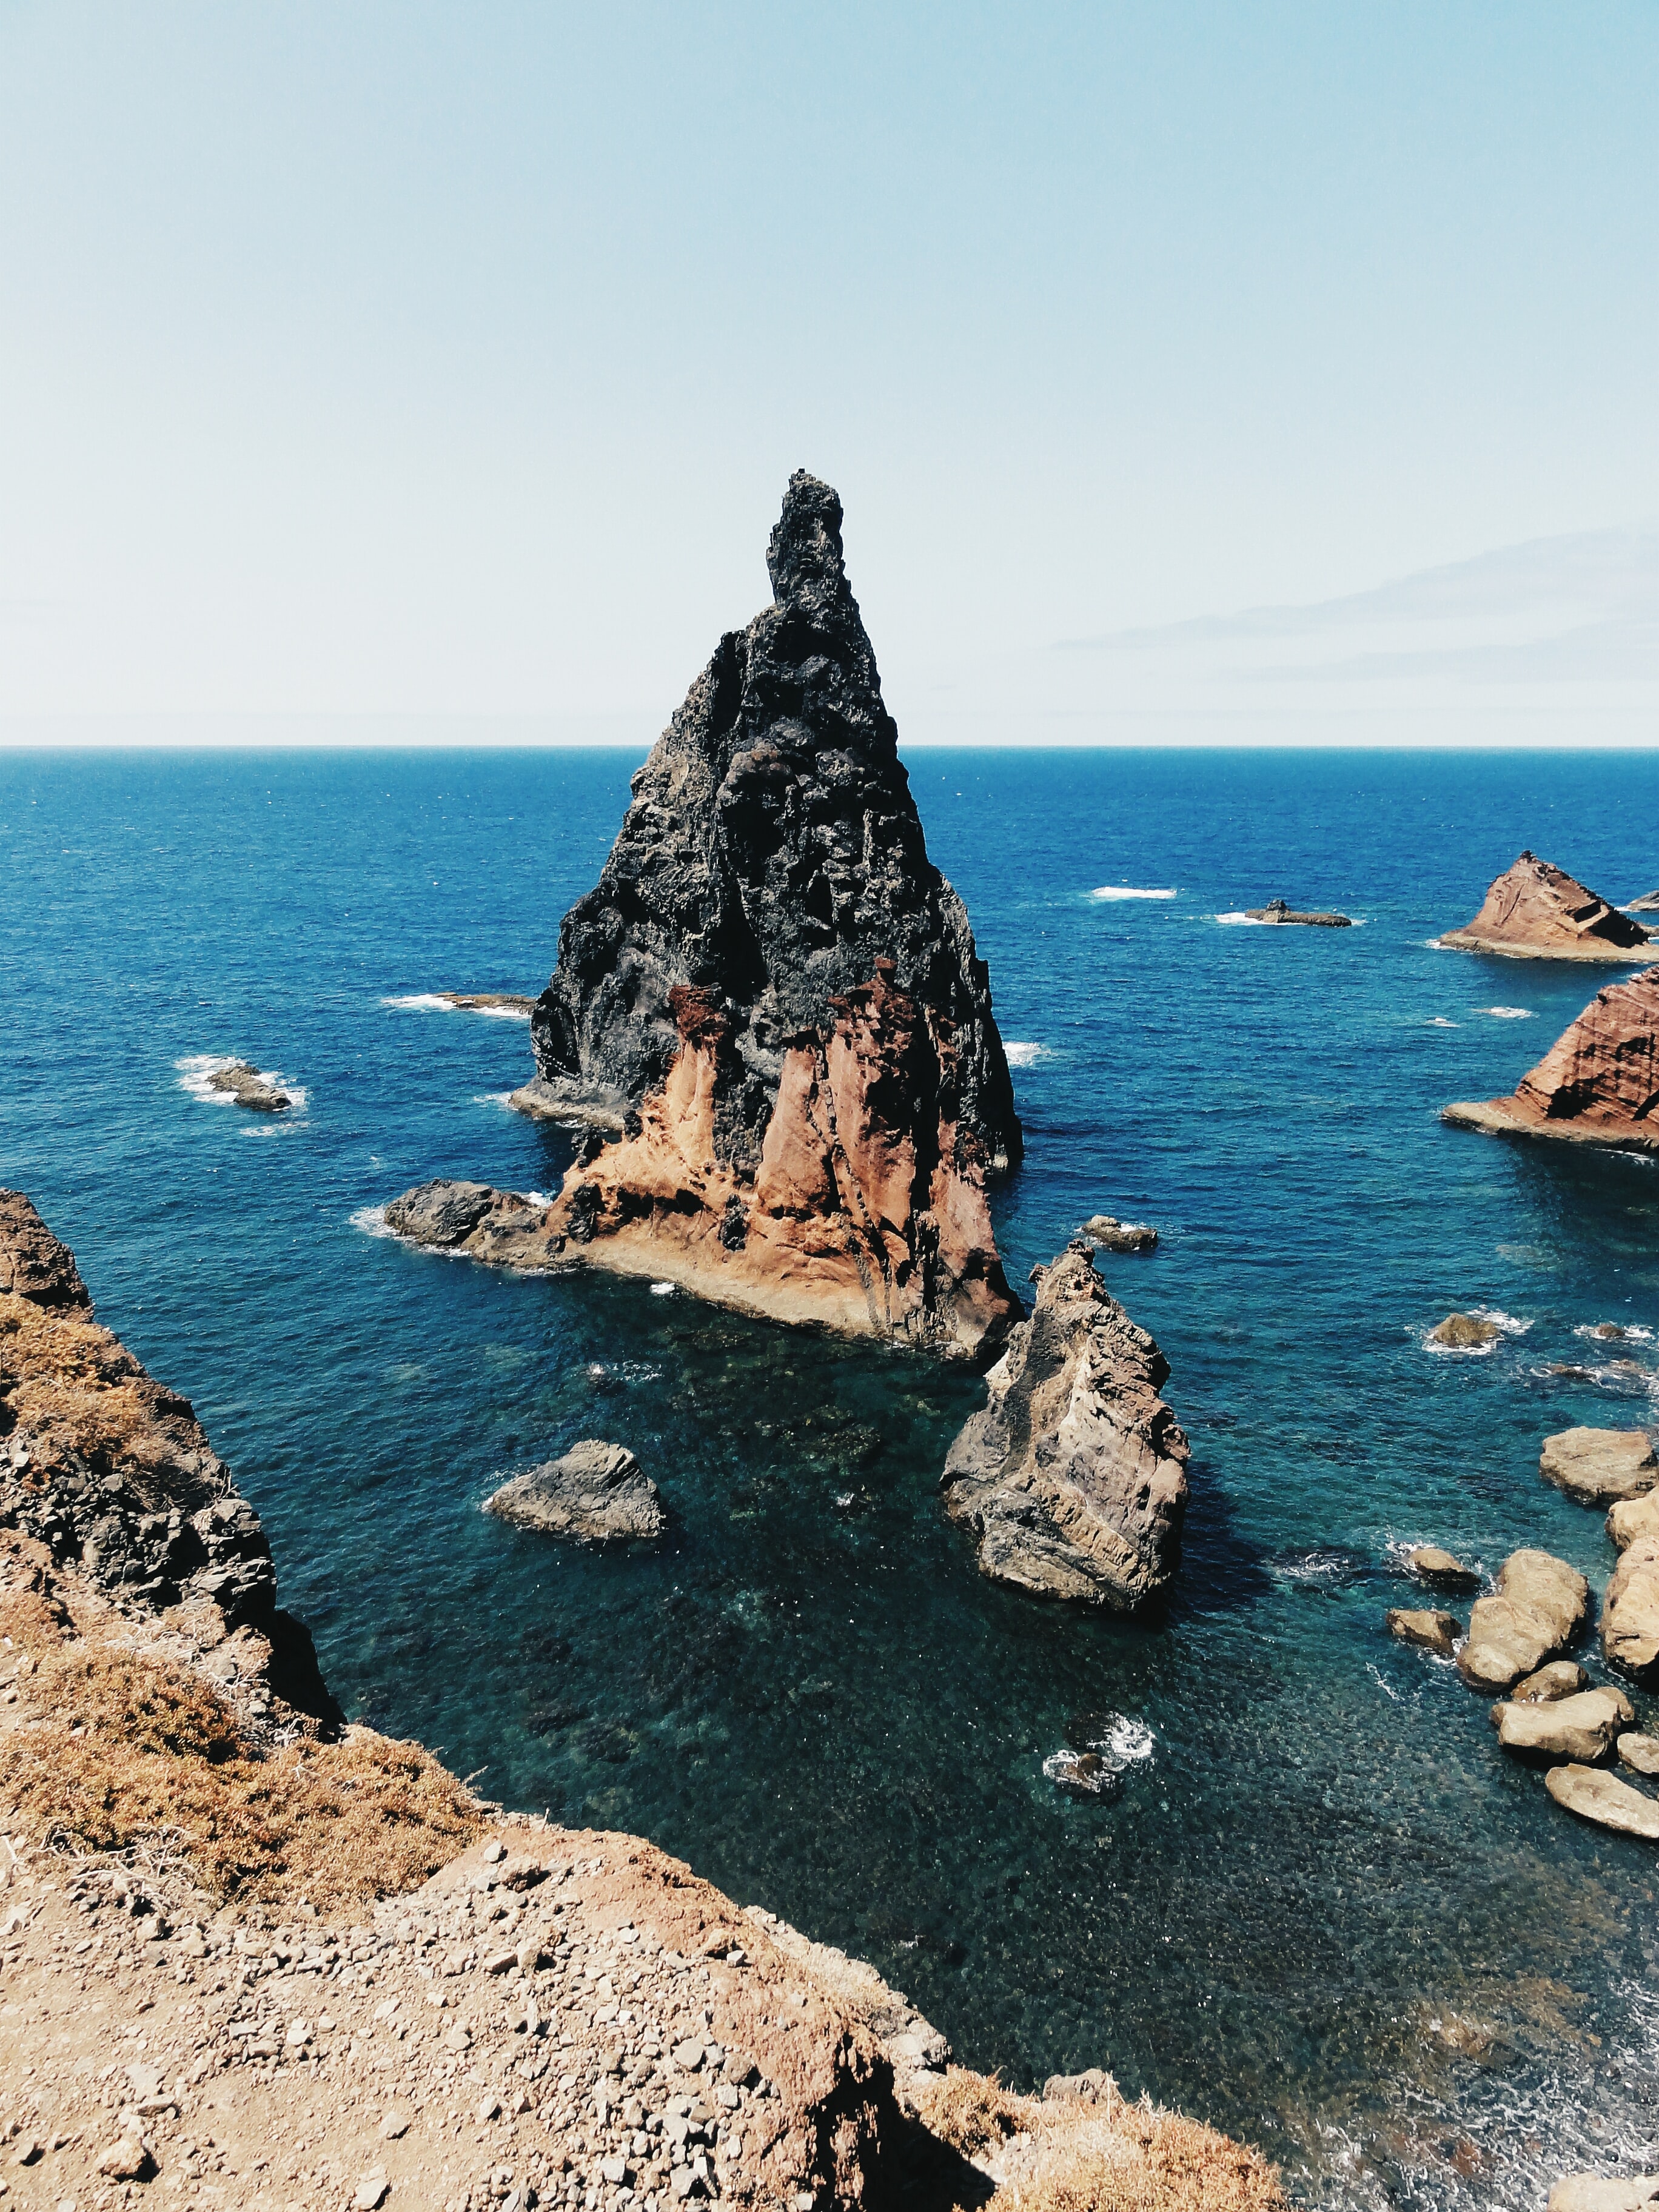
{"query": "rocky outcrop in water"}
[(596, 1493), (1115, 1235), (1537, 912), (1604, 1799), (1431, 1564), (112, 1472), (772, 997), (1429, 1629), (1630, 1617), (1074, 1478), (1597, 1084), (1276, 910), (1461, 1332), (1583, 1726), (1539, 1607), (1599, 1465), (245, 1084)]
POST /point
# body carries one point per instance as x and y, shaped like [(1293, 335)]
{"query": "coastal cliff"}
[(772, 1000), (1597, 1084), (359, 1985), (1535, 911)]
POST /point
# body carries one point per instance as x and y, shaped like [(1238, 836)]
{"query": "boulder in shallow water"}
[(444, 1213), (248, 1087), (1598, 1466), (1632, 1517), (1562, 1677), (1464, 1332), (1639, 1753), (1604, 1799), (1541, 1606), (1583, 1726), (1115, 1235), (596, 1494), (1440, 1569), (1431, 1631), (1073, 1478), (1591, 2192), (1535, 911), (1630, 1618)]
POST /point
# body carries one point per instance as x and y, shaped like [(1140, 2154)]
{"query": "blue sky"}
[(414, 361)]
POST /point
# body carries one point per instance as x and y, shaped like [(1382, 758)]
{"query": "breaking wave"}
[(1025, 1056), (1127, 892), (1114, 1743), (1508, 1013)]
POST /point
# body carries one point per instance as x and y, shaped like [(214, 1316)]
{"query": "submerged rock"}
[(1597, 1084), (1604, 1799), (1630, 1618), (487, 1002), (1115, 1235), (1433, 1632), (1464, 1332), (1562, 1677), (1639, 1753), (1537, 912), (1277, 910), (1430, 1564), (596, 1494), (1074, 1478), (248, 1087), (1597, 1466), (1539, 1607), (1583, 1726)]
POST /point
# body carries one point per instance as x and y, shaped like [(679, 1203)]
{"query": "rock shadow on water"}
[(1223, 1571)]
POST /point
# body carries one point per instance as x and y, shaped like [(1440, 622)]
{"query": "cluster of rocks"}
[(1073, 1477), (1518, 1634)]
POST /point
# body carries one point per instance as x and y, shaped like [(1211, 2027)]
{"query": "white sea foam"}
[(1631, 1332), (1245, 921), (1026, 1055), (503, 1098), (1121, 1743), (499, 1013), (1499, 1319), (1126, 891), (371, 1219), (1387, 1688), (1439, 1022), (1508, 1013), (662, 1290), (420, 1002)]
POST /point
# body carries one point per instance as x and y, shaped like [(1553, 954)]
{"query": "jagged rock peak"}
[(771, 855)]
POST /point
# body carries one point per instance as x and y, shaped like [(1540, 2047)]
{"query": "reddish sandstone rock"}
[(866, 1211), (1597, 1084), (1537, 912)]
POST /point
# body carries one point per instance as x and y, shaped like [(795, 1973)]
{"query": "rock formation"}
[(772, 996), (1562, 1677), (1074, 1478), (1115, 1235), (1599, 1465), (1583, 1726), (1430, 1564), (1539, 1607), (1648, 903), (1630, 1617), (1461, 1332), (111, 1470), (1632, 1517), (1606, 1800), (1639, 1753), (596, 1494), (1597, 1084), (489, 1002), (1536, 912), (245, 1084), (1431, 1631), (1277, 911)]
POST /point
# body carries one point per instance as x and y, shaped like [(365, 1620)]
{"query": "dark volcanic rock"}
[(1074, 1476), (597, 1492), (112, 1472), (248, 1088), (772, 855), (443, 1214)]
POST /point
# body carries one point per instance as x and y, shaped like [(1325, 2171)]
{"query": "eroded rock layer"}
[(1537, 912), (1597, 1084), (1074, 1478), (861, 1212)]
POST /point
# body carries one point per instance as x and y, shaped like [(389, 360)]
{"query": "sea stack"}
[(771, 1002), (1074, 1478), (1537, 912), (1597, 1084)]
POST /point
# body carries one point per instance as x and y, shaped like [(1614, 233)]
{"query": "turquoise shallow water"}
[(1323, 1912)]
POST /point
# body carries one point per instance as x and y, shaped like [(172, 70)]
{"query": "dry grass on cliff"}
[(1105, 2157), (131, 1751)]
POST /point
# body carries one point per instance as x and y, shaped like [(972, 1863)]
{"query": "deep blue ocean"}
[(1325, 1911)]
